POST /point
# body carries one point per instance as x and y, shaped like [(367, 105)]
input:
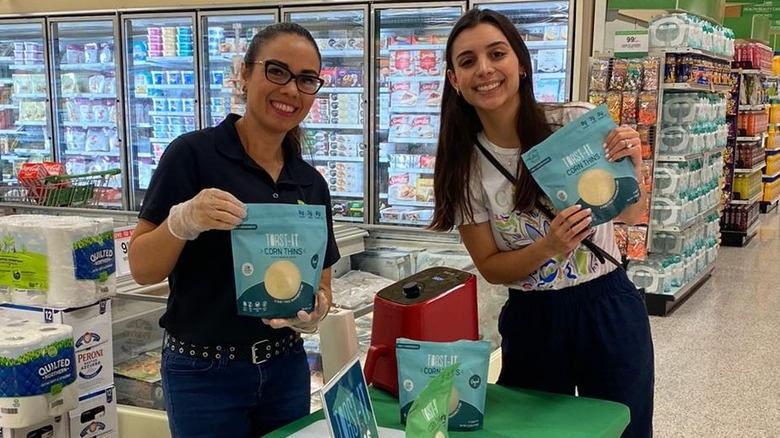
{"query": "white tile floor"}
[(718, 354)]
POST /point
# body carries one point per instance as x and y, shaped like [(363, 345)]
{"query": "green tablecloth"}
[(513, 413)]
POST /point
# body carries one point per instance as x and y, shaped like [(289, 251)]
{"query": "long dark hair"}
[(293, 140), (460, 125)]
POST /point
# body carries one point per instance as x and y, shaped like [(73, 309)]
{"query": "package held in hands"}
[(37, 371), (278, 255), (58, 261), (571, 168), (420, 361)]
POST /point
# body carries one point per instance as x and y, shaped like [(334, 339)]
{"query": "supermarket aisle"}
[(717, 356)]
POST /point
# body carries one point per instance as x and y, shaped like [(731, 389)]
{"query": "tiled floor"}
[(718, 354)]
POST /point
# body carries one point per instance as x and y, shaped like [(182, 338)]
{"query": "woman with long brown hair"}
[(573, 320)]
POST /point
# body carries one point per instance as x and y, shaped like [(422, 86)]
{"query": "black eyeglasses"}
[(281, 75)]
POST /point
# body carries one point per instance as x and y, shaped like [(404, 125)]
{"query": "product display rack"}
[(746, 156), (681, 243)]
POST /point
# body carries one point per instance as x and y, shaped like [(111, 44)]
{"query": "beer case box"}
[(55, 427), (95, 367), (91, 324), (96, 414)]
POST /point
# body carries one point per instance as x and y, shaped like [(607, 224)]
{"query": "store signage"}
[(121, 245), (631, 43)]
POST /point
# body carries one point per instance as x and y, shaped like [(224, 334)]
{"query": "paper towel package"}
[(91, 324), (55, 427), (37, 371), (96, 414), (61, 261)]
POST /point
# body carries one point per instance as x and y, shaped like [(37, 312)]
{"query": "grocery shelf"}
[(27, 67), (552, 75), (777, 149), (21, 151), (416, 47), (767, 206), (688, 223), (753, 169), (751, 138), (665, 304), (686, 86), (346, 194), (417, 170), (28, 95), (89, 95), (348, 219), (6, 81), (560, 44), (688, 50), (162, 60), (396, 201), (8, 106), (341, 90), (11, 132), (171, 113), (103, 66), (413, 110), (159, 140), (90, 124), (416, 78), (342, 53), (171, 87), (678, 158), (92, 153), (771, 177), (307, 125), (30, 123), (402, 222), (761, 107), (413, 140), (739, 238), (334, 158), (753, 199)]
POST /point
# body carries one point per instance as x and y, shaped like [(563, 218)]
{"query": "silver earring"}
[(523, 75), (457, 91)]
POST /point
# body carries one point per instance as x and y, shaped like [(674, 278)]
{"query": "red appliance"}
[(437, 304)]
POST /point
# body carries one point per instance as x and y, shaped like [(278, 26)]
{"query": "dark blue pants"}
[(594, 336), (237, 399)]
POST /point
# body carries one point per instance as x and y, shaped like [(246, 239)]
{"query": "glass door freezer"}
[(409, 75), (336, 128), (224, 38), (25, 127), (161, 89), (87, 106), (546, 30)]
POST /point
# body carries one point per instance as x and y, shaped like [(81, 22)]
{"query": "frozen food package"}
[(106, 54), (636, 248), (597, 97), (599, 74), (644, 138), (110, 85), (404, 94), (97, 84), (74, 54), (97, 140), (571, 168), (91, 53), (278, 256), (68, 83)]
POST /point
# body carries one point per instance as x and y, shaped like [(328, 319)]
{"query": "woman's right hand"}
[(568, 229), (211, 209)]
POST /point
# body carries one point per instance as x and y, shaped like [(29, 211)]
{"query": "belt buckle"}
[(261, 356)]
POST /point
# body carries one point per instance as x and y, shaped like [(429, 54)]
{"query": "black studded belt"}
[(257, 353)]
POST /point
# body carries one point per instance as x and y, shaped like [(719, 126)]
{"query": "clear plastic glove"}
[(211, 209), (304, 322)]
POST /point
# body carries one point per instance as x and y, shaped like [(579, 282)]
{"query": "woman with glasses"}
[(573, 320), (224, 374)]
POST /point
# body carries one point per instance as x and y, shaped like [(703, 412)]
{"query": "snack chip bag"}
[(429, 413), (278, 255), (571, 168)]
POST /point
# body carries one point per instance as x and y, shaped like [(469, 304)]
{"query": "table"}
[(512, 413)]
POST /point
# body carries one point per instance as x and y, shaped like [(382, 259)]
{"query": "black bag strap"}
[(598, 251)]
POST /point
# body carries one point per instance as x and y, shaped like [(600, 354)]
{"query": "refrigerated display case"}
[(224, 38), (25, 133), (544, 26), (161, 88), (409, 76), (87, 106), (336, 128)]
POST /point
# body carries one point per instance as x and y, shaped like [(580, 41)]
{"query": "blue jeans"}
[(232, 398)]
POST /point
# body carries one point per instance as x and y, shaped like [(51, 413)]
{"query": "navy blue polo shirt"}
[(202, 302)]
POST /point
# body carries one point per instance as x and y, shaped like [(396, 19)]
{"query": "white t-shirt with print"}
[(492, 200)]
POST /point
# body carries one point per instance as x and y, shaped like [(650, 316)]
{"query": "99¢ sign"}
[(121, 245)]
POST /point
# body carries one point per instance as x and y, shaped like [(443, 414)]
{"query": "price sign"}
[(631, 43), (121, 244)]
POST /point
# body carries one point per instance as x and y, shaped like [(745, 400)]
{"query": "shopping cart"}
[(80, 190)]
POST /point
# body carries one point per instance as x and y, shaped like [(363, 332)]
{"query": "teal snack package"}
[(571, 167), (421, 361), (278, 254), (428, 415)]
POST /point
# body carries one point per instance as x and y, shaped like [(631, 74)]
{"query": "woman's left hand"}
[(624, 141), (304, 322)]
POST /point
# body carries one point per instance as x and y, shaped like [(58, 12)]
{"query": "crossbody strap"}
[(598, 251)]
